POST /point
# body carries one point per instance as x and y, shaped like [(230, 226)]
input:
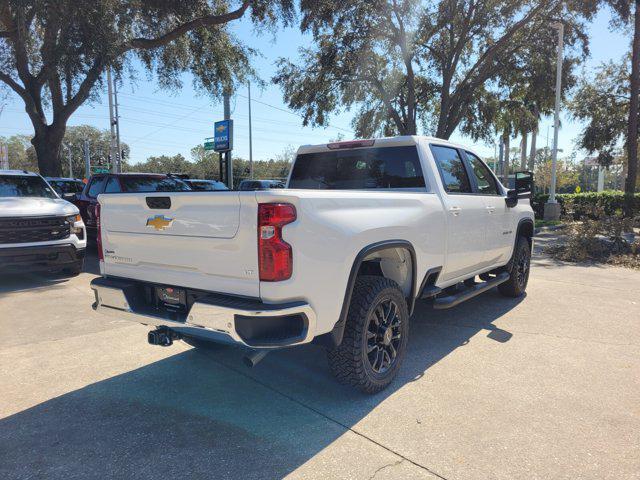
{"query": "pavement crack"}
[(388, 465), (333, 420)]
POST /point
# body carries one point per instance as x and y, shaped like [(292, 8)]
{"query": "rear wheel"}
[(518, 270), (375, 336)]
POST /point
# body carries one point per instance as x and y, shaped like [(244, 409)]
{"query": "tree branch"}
[(15, 86), (387, 103), (83, 91), (207, 21)]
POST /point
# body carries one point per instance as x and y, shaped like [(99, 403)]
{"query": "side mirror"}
[(512, 198), (524, 182), (70, 197)]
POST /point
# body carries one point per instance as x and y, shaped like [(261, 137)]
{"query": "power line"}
[(177, 105), (289, 112)]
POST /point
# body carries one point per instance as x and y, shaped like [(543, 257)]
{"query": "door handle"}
[(491, 209), (455, 210)]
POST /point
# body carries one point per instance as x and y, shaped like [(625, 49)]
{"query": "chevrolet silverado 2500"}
[(363, 230)]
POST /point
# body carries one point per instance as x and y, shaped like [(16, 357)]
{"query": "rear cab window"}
[(382, 168)]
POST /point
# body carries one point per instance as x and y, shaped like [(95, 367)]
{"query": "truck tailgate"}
[(201, 240)]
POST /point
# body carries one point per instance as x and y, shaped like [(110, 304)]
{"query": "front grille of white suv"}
[(33, 229)]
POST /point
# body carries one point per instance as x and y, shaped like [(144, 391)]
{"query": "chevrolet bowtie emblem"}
[(221, 128), (159, 222)]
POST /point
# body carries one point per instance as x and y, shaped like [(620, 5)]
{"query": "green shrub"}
[(578, 206)]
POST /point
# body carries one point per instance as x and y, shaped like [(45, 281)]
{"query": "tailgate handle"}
[(159, 202)]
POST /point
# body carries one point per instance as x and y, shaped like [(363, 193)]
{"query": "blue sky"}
[(155, 121)]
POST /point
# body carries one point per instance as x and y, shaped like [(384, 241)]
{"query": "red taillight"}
[(275, 257), (99, 234)]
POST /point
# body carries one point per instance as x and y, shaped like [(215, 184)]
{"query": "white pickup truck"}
[(339, 257)]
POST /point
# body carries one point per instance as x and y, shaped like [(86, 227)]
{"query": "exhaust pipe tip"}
[(253, 358)]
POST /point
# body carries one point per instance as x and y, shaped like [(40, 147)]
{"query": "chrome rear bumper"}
[(224, 315)]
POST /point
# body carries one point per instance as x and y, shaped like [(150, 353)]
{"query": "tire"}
[(371, 307), (518, 268)]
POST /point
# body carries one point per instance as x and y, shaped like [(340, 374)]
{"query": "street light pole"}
[(250, 139), (112, 141), (552, 208), (117, 120), (227, 154)]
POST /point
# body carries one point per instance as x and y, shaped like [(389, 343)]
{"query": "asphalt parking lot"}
[(546, 386)]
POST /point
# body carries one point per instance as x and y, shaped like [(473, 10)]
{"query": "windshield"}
[(359, 169), (24, 186), (152, 184)]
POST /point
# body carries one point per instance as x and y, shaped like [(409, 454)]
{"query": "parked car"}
[(38, 230), (66, 188), (87, 200), (364, 229), (205, 185), (260, 184)]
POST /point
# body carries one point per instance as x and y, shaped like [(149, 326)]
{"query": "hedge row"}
[(579, 205)]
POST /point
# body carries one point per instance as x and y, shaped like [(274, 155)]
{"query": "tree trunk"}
[(532, 155), (523, 151), (632, 133), (47, 142), (505, 165)]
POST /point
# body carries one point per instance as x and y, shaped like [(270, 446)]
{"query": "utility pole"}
[(250, 139), (119, 152), (87, 159), (499, 167), (552, 208), (227, 155), (112, 123), (4, 156)]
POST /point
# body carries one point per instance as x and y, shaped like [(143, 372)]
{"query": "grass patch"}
[(547, 223)]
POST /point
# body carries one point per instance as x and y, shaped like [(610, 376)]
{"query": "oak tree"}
[(408, 63), (53, 52)]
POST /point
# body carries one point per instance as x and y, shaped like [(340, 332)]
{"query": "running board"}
[(453, 300)]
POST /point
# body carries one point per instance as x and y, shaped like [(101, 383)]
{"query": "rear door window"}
[(452, 170), (359, 169)]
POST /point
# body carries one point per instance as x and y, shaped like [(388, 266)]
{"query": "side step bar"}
[(453, 300)]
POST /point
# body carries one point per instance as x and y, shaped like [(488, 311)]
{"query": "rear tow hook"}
[(162, 336)]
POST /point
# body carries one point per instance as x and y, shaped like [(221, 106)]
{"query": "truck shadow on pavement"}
[(204, 414)]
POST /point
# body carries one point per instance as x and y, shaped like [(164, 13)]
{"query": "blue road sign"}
[(223, 136)]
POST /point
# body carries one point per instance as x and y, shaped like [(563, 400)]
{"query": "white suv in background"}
[(38, 230)]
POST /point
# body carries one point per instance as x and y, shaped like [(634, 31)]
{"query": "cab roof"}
[(405, 140)]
